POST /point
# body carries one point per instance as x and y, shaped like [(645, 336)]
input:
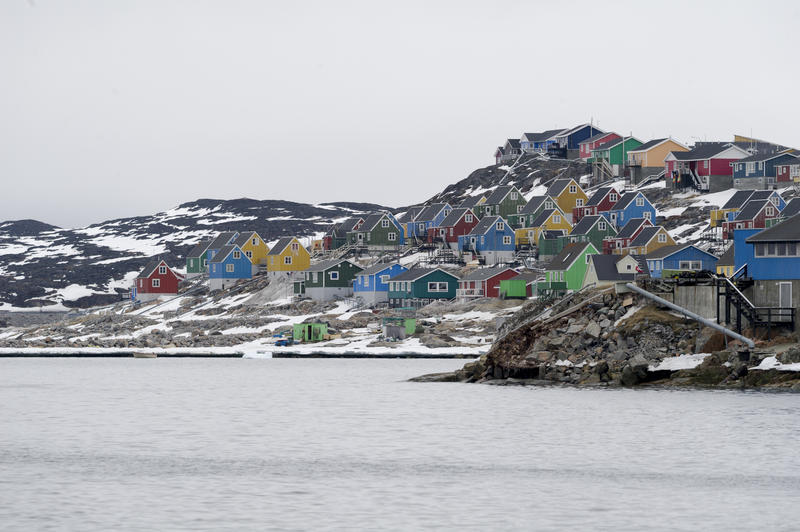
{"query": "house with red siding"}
[(615, 245), (586, 146), (484, 282), (753, 215), (706, 167), (459, 222), (788, 171), (603, 199), (156, 280)]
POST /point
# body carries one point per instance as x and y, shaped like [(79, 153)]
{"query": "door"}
[(785, 299)]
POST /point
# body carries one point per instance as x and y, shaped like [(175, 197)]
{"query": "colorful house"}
[(670, 260), (547, 220), (648, 159), (336, 236), (156, 280), (535, 206), (229, 266), (759, 171), (568, 195), (223, 239), (197, 259), (791, 209), (567, 143), (586, 146), (380, 231), (753, 215), (254, 249), (538, 142), (520, 287), (625, 236), (330, 279), (406, 219), (483, 282), (706, 167), (788, 171), (726, 262), (615, 153), (372, 284), (648, 240), (631, 205), (594, 229), (474, 204), (420, 286), (731, 207), (287, 257), (508, 152), (603, 199), (567, 270), (603, 271), (459, 222), (492, 240), (430, 216), (550, 244), (504, 201)]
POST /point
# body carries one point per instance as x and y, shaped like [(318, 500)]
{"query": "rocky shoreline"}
[(603, 339)]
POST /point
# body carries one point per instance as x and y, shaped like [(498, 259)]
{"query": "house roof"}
[(750, 209), (482, 274), (557, 186), (514, 143), (410, 214), (551, 234), (666, 251), (706, 150), (377, 268), (245, 237), (542, 218), (350, 224), (645, 236), (596, 137), (223, 253), (485, 224), (759, 157), (585, 224), (430, 212), (454, 216), (499, 194), (727, 258), (611, 143), (625, 200), (605, 267), (371, 221), (327, 265), (222, 240), (567, 132), (567, 257), (738, 199), (787, 230), (534, 203), (501, 150), (150, 267), (417, 273), (280, 245), (598, 196), (200, 248), (792, 208), (544, 135), (762, 194), (472, 201), (631, 227)]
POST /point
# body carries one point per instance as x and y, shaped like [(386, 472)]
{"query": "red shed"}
[(155, 280), (484, 282), (459, 222)]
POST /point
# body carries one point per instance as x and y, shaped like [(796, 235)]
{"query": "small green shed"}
[(309, 332)]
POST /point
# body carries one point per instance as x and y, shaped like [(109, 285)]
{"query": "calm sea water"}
[(137, 444)]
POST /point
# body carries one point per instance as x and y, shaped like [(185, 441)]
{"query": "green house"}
[(330, 279), (380, 231), (420, 286), (309, 332), (475, 204), (615, 151), (336, 236), (196, 261), (551, 243), (535, 206), (567, 270), (505, 201), (592, 229)]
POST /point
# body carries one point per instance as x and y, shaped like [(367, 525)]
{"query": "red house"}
[(614, 246), (602, 200), (484, 282), (594, 141), (706, 167), (458, 222), (156, 280), (787, 172), (753, 215)]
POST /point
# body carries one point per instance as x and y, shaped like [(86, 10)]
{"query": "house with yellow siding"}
[(548, 220), (649, 240), (254, 248), (286, 256), (568, 195), (648, 159), (725, 263)]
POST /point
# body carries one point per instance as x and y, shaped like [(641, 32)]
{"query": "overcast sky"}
[(111, 109)]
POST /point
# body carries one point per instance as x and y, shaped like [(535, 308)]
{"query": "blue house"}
[(631, 205), (492, 239), (684, 257), (430, 216), (538, 142), (227, 267), (372, 285), (759, 170), (222, 240), (571, 138)]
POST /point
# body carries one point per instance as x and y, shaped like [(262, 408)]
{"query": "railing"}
[(469, 292)]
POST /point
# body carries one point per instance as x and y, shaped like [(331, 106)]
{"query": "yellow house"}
[(254, 247), (547, 220), (288, 255), (649, 240), (725, 264), (568, 195), (652, 154)]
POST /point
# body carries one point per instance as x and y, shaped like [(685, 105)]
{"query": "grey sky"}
[(111, 109)]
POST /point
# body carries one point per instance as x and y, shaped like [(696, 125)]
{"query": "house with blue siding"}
[(430, 216), (372, 284), (631, 205), (492, 240), (680, 258), (229, 266), (223, 239), (538, 142), (759, 170), (569, 140)]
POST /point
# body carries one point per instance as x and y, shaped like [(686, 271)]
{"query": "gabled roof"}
[(738, 199), (706, 150), (605, 267), (626, 200), (794, 162), (245, 237), (568, 256), (761, 157), (372, 220), (472, 201), (513, 142), (486, 224), (787, 230), (430, 212), (667, 251), (349, 224), (410, 214), (631, 227), (586, 223), (611, 143), (200, 248), (454, 216), (544, 135), (223, 253), (378, 268), (596, 137), (792, 208), (534, 203), (280, 245), (417, 273), (222, 240), (499, 194), (750, 209), (646, 236), (543, 216), (328, 264), (500, 150), (727, 258), (653, 143), (568, 132), (762, 195), (599, 194), (482, 274), (150, 267), (558, 186)]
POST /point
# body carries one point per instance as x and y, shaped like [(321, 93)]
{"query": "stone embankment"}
[(599, 338)]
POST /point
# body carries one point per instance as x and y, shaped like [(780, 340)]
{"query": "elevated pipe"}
[(692, 315)]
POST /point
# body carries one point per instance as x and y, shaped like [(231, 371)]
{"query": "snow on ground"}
[(772, 363), (677, 211), (657, 184), (73, 292), (537, 190), (128, 244), (679, 362), (697, 232), (717, 199)]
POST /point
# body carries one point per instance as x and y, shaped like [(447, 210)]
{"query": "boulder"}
[(592, 329), (791, 356)]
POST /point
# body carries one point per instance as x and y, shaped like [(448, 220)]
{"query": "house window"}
[(384, 279), (254, 241), (560, 276), (514, 195), (556, 218), (392, 237), (506, 240), (287, 260), (437, 287), (468, 218), (488, 210), (613, 196), (705, 164), (646, 215), (770, 211), (750, 168), (334, 276), (601, 226), (662, 238), (579, 202), (521, 220), (548, 204), (295, 247), (640, 201), (205, 262), (422, 227), (249, 254), (500, 226), (384, 223), (229, 268), (237, 255), (794, 171), (690, 265), (587, 256), (365, 280), (519, 208), (156, 283), (162, 270)]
